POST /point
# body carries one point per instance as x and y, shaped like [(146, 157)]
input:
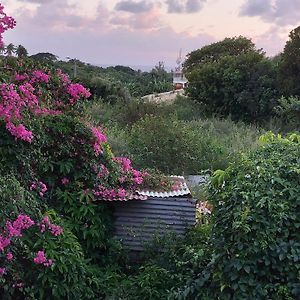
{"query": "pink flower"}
[(39, 76), (40, 259), (4, 242), (124, 162), (54, 229), (77, 91), (2, 271), (121, 193), (100, 138), (40, 187), (65, 181), (20, 132), (138, 180), (15, 229), (5, 23), (9, 256)]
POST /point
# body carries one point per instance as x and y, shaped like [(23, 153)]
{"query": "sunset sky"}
[(143, 32)]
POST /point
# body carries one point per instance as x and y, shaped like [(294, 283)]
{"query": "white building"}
[(179, 80)]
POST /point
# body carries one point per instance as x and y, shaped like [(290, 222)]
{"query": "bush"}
[(243, 87), (165, 144), (178, 147), (256, 236)]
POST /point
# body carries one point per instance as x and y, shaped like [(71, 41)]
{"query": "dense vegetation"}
[(233, 78), (112, 83), (65, 148)]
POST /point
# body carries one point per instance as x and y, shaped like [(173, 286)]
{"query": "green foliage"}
[(214, 52), (164, 143), (242, 86), (113, 83), (289, 111), (289, 66), (70, 277), (256, 224), (175, 147), (165, 274), (15, 200)]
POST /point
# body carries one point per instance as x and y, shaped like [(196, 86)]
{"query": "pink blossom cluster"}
[(128, 172), (26, 94), (110, 193), (99, 139), (11, 230), (12, 102), (21, 77), (77, 91), (101, 171), (15, 230), (124, 162), (23, 96), (39, 76), (63, 77), (19, 132), (128, 179), (5, 23), (40, 187), (47, 225), (40, 259)]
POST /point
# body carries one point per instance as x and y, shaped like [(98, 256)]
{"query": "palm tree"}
[(10, 49), (21, 52)]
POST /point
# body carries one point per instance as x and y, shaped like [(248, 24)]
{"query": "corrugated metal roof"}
[(138, 222), (182, 191)]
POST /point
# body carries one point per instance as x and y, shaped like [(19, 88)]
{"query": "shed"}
[(138, 222)]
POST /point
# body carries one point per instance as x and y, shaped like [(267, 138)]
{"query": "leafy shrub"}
[(256, 224), (162, 143), (174, 146), (288, 111), (243, 86), (67, 275)]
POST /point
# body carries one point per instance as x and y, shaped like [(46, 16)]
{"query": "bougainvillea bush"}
[(55, 170)]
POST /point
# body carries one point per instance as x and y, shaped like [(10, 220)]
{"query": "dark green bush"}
[(256, 236)]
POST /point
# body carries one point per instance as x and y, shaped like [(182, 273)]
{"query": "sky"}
[(143, 32)]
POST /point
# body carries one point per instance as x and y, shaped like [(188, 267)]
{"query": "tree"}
[(242, 86), (21, 52), (289, 74), (10, 49), (46, 56), (212, 53)]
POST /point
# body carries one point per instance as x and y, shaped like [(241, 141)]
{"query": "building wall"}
[(138, 222)]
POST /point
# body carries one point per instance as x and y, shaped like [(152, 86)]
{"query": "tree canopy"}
[(212, 53), (290, 65)]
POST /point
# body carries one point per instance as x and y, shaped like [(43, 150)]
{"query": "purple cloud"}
[(184, 6), (281, 12), (136, 41), (135, 7)]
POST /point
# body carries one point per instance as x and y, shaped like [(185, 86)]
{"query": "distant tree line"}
[(234, 78)]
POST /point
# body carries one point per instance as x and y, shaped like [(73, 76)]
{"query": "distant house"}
[(179, 80)]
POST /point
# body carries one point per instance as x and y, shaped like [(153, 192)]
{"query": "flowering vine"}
[(14, 230), (6, 23)]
